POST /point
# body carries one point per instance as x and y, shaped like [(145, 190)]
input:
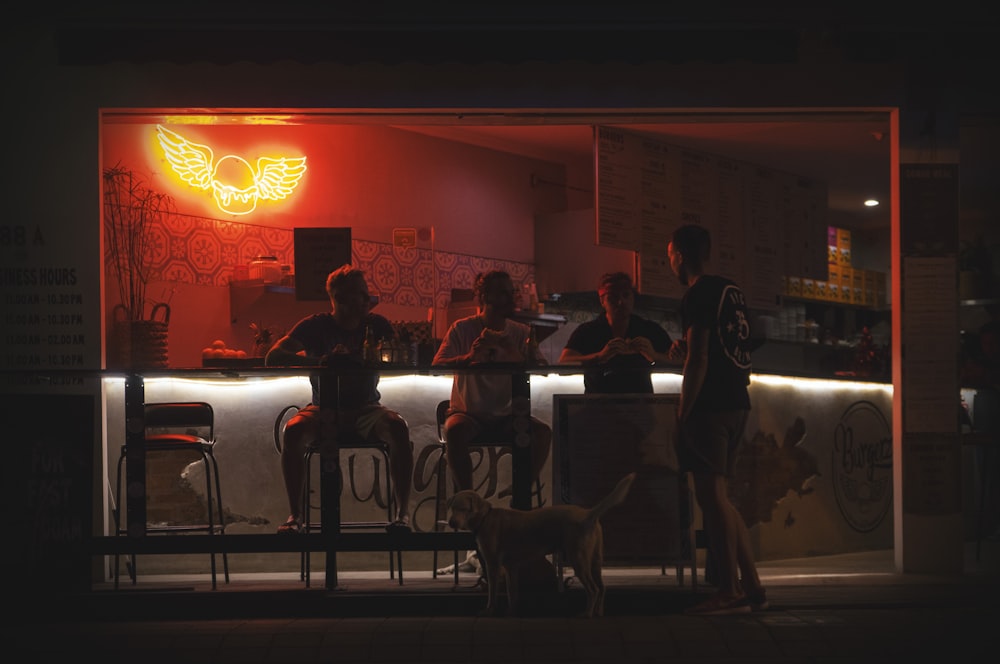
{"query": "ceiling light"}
[(871, 202)]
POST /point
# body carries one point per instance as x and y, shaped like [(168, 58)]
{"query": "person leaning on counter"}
[(337, 338), (618, 347)]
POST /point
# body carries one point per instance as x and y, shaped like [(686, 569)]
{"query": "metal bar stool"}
[(488, 439), (379, 449), (184, 427)]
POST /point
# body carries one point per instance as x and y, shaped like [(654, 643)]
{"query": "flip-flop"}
[(290, 527)]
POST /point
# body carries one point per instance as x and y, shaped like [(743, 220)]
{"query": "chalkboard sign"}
[(318, 252), (51, 454), (601, 438)]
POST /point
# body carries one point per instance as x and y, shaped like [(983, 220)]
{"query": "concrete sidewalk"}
[(833, 609)]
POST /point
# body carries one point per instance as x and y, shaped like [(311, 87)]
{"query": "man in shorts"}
[(481, 403), (337, 337), (712, 414)]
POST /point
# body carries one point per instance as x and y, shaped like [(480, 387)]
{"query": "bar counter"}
[(806, 441), (812, 478)]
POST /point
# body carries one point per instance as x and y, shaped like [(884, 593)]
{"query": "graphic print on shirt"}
[(734, 329)]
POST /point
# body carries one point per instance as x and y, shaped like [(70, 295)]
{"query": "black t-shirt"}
[(624, 374), (718, 304), (320, 333)]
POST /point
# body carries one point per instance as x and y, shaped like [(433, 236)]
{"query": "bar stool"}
[(486, 439), (184, 427), (344, 441)]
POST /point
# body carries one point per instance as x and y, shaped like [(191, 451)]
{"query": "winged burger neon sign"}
[(236, 186)]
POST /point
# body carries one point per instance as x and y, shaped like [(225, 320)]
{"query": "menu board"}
[(646, 188)]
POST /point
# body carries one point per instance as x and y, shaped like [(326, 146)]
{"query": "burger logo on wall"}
[(862, 466)]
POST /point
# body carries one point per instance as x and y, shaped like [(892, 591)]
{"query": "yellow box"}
[(846, 284), (858, 286), (832, 254), (822, 293), (869, 288), (809, 288), (833, 272), (795, 286), (844, 246), (833, 291)]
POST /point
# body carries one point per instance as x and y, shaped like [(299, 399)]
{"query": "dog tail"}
[(616, 497)]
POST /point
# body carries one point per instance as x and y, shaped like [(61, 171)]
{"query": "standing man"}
[(618, 348), (337, 338), (712, 415)]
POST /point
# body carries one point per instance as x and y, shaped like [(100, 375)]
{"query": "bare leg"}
[(541, 443), (393, 429), (459, 430), (722, 523), (300, 432)]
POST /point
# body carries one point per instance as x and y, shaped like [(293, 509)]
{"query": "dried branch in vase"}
[(131, 209)]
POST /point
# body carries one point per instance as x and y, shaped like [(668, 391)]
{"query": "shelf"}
[(260, 285)]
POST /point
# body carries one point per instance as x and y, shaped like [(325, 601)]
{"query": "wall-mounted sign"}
[(236, 186)]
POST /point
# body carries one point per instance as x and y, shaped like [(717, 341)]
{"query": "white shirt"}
[(484, 395)]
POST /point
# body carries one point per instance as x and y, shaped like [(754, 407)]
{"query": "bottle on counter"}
[(531, 346), (369, 348)]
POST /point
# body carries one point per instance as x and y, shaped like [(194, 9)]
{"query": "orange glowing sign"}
[(236, 186)]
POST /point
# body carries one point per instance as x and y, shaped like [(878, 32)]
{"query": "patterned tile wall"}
[(204, 251)]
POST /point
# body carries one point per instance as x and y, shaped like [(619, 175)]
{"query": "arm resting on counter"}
[(289, 352)]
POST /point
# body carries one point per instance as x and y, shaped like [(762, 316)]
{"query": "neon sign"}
[(236, 186)]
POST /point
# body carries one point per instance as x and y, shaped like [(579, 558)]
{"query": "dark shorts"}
[(490, 429), (707, 442)]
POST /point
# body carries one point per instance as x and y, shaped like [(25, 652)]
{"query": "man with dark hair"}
[(712, 415), (338, 337), (618, 348), (483, 401)]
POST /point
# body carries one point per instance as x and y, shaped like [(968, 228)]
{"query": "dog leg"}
[(598, 580), (513, 580), (493, 578), (582, 569)]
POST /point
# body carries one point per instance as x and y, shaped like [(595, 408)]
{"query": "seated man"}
[(332, 338), (618, 348), (482, 402)]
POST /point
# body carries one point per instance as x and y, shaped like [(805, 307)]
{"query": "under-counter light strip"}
[(818, 384), (555, 383)]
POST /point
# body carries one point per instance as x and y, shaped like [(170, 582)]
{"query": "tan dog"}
[(508, 538)]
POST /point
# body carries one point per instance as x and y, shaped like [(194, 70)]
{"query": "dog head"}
[(466, 510)]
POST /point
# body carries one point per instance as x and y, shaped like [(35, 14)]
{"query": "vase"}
[(140, 344)]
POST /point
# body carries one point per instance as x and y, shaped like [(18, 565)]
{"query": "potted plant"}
[(131, 209)]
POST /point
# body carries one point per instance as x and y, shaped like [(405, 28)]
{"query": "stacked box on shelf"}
[(844, 247), (834, 284), (832, 253), (858, 286), (794, 286)]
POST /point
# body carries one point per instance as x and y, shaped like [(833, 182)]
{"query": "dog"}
[(507, 539)]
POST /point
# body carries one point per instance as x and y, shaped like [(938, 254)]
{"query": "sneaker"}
[(290, 527), (471, 563), (719, 606)]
